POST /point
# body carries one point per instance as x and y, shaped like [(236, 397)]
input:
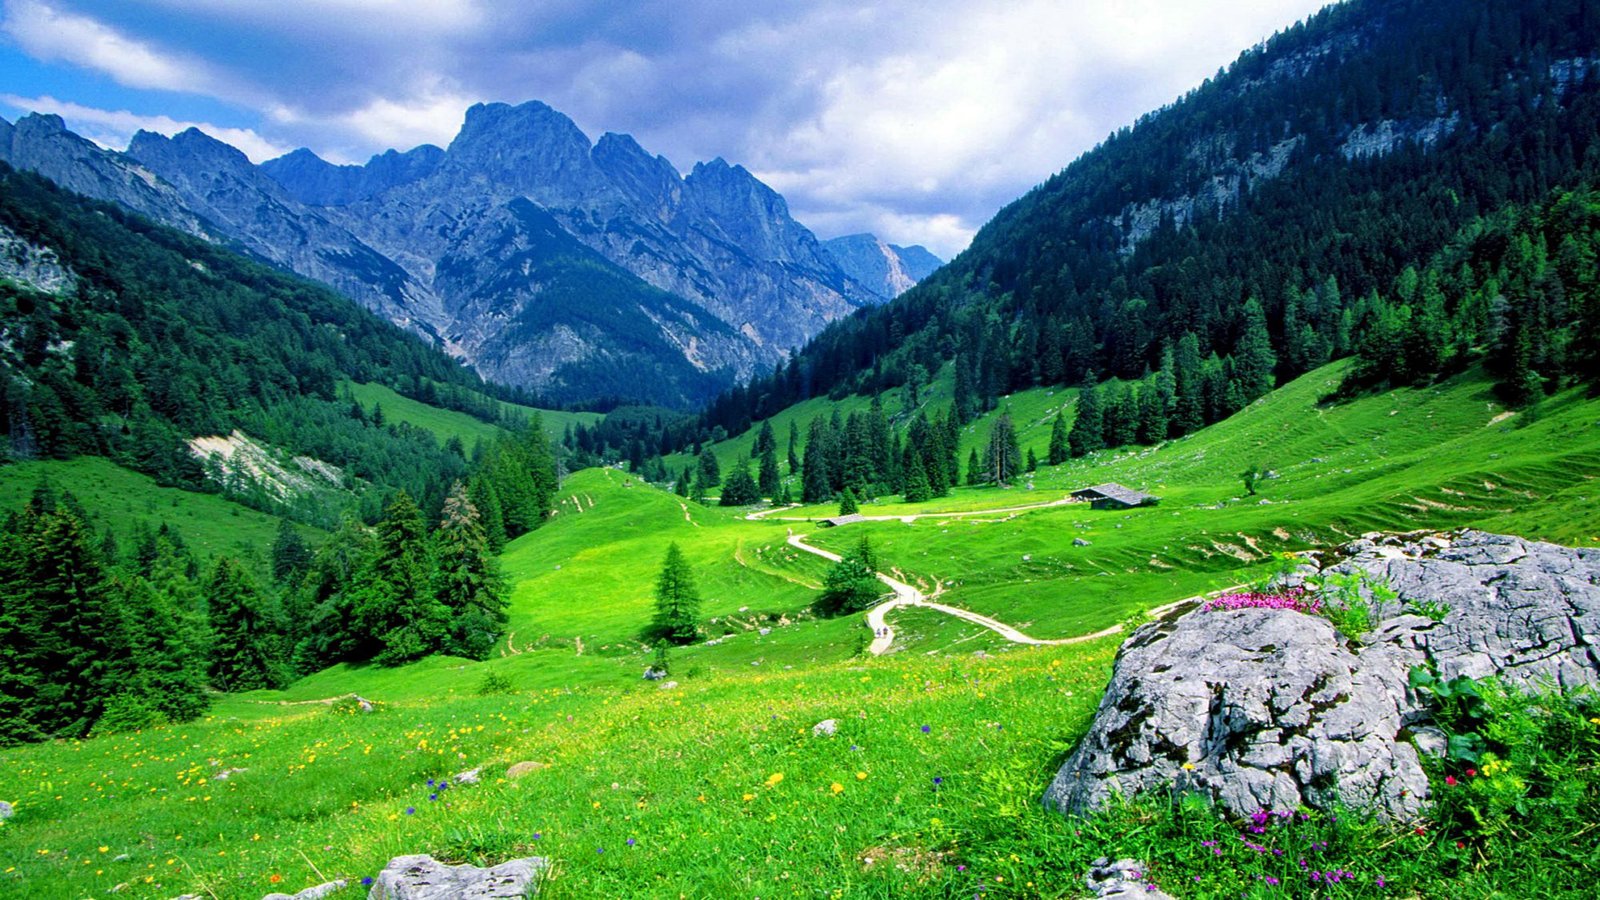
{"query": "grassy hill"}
[(448, 423), (123, 499), (651, 792)]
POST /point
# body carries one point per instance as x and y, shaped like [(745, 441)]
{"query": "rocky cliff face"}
[(882, 267), (578, 269)]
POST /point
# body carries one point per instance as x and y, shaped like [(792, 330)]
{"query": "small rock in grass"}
[(6, 810), (654, 674), (825, 728), (424, 878), (468, 777), (668, 685), (520, 769), (1123, 878)]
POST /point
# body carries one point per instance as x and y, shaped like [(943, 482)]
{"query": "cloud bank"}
[(914, 119)]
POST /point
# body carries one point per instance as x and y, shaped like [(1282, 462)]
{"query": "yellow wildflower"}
[(837, 788), (774, 779)]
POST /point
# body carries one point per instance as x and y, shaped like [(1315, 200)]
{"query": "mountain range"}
[(580, 270)]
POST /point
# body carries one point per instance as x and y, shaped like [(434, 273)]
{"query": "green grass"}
[(671, 769), (446, 423), (121, 498)]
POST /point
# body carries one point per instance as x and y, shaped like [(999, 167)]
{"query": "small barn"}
[(1114, 496), (836, 521)]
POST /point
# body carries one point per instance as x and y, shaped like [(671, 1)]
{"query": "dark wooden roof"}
[(842, 520), (1114, 491)]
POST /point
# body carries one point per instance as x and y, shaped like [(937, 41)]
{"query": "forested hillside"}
[(1263, 225), (129, 341)]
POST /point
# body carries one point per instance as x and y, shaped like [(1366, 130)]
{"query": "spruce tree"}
[(1254, 356), (794, 447), (814, 484), (1003, 458), (677, 616), (851, 585), (847, 503), (400, 616), (710, 471), (487, 502), (740, 489), (1033, 461), (1058, 451), (1086, 435), (290, 554), (917, 488), (975, 473), (768, 481), (469, 585), (245, 654)]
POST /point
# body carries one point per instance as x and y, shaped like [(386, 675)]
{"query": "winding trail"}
[(906, 595), (767, 514)]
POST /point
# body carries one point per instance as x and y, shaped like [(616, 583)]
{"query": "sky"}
[(916, 120)]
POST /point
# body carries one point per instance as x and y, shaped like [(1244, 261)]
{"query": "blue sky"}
[(914, 119)]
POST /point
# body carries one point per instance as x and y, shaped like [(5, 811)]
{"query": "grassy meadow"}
[(717, 788)]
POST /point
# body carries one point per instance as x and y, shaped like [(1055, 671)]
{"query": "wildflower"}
[(748, 797), (1472, 773), (926, 729), (774, 779), (367, 881), (631, 842), (411, 810), (861, 776), (836, 787), (537, 835), (1450, 780), (599, 850), (275, 878), (1188, 767), (937, 780)]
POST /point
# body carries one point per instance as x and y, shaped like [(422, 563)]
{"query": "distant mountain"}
[(885, 268), (1272, 219), (580, 270)]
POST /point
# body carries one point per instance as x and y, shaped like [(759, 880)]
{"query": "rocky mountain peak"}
[(528, 149), (193, 145), (313, 180), (650, 180)]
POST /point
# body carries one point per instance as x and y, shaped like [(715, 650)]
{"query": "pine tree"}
[(847, 503), (1188, 414), (1087, 434), (468, 583), (677, 616), (1058, 451), (290, 554), (245, 654), (917, 487), (814, 484), (975, 474), (710, 472), (768, 480), (399, 615), (165, 676), (851, 585), (1254, 357), (487, 502), (1033, 460), (1003, 458), (794, 447), (740, 489)]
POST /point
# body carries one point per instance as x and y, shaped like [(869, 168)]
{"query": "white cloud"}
[(114, 128), (49, 34)]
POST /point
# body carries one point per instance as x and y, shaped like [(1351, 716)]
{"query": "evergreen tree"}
[(814, 485), (469, 585), (1058, 451), (975, 474), (1087, 434), (851, 585), (399, 615), (1188, 415), (677, 616), (740, 489), (290, 554), (245, 653), (767, 482), (794, 447), (165, 676), (484, 499), (1003, 458), (1033, 460), (1254, 357), (766, 441), (917, 489), (709, 470), (847, 503)]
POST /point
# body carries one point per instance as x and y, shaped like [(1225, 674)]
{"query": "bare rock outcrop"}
[(422, 877), (1272, 708)]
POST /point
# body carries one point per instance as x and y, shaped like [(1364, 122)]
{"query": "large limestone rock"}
[(422, 877), (1272, 708)]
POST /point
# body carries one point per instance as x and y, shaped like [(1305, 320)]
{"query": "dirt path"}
[(906, 595), (908, 519)]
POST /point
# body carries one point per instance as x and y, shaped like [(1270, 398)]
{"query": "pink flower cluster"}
[(1297, 599)]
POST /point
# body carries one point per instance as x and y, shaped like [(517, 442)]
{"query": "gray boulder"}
[(312, 893), (1123, 878), (825, 728), (422, 877), (6, 811), (1271, 709)]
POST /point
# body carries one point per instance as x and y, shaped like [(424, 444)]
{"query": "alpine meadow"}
[(514, 516)]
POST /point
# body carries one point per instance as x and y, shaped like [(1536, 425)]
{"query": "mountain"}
[(1286, 212), (885, 268), (691, 281)]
